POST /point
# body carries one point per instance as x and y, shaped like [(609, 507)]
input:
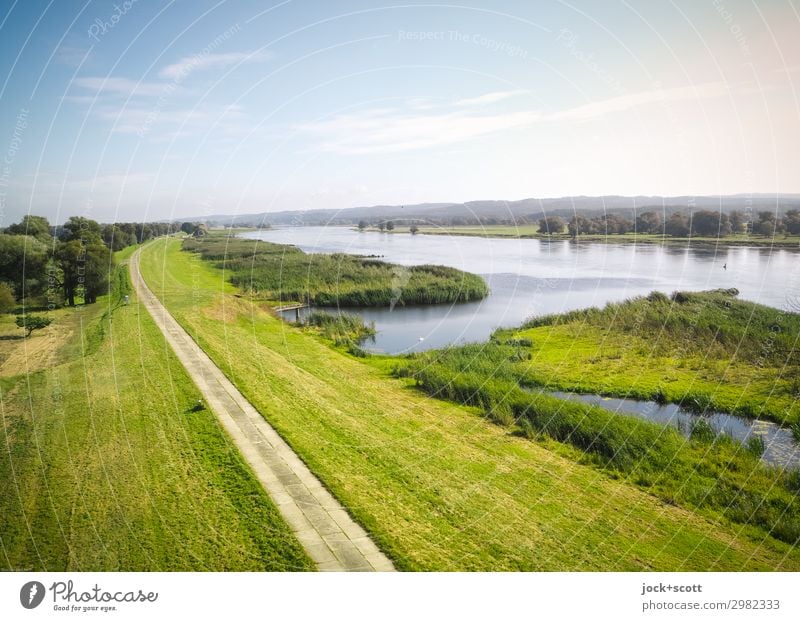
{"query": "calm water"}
[(530, 277), (781, 449)]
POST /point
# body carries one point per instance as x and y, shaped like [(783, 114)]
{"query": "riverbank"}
[(437, 485), (531, 231), (703, 350)]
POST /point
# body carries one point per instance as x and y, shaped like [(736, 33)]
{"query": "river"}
[(531, 277)]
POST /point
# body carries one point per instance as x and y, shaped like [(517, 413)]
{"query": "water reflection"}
[(781, 448)]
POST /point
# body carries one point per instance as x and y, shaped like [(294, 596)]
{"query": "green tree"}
[(29, 323), (7, 300), (115, 238), (767, 224), (80, 228), (84, 269), (710, 224), (738, 222), (677, 225), (581, 225), (792, 221), (382, 226), (23, 263), (35, 226), (187, 227), (414, 229), (390, 226), (551, 225), (648, 222), (96, 270), (362, 224), (614, 224)]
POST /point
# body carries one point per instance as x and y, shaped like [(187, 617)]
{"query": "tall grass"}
[(341, 328), (714, 322), (281, 272), (707, 471)]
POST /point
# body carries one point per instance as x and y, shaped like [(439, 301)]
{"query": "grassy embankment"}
[(284, 273), (532, 231), (702, 350), (438, 485), (105, 465)]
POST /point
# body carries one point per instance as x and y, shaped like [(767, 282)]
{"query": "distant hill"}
[(529, 209)]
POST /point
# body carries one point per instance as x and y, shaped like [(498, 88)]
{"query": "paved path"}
[(327, 532)]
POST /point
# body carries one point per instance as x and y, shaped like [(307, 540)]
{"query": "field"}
[(532, 231), (106, 466), (438, 485), (285, 273)]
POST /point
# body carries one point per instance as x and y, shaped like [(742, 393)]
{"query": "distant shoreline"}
[(510, 232)]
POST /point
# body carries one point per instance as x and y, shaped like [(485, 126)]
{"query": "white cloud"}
[(386, 131), (383, 133), (633, 100), (199, 62), (489, 98), (120, 86)]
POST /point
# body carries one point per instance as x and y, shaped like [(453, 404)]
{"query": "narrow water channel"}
[(781, 448)]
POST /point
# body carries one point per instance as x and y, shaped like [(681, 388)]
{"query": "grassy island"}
[(284, 273)]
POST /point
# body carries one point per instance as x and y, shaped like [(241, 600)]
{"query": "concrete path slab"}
[(327, 532)]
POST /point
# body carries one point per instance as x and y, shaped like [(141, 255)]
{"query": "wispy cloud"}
[(120, 86), (386, 131), (489, 98), (634, 100), (200, 62)]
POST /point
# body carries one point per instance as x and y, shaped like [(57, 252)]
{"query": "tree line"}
[(47, 266), (701, 223)]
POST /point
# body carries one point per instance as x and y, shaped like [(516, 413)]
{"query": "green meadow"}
[(702, 350), (442, 484), (108, 466)]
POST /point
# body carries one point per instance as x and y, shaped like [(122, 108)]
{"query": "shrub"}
[(29, 323)]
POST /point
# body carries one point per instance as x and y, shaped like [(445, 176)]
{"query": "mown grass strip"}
[(108, 466)]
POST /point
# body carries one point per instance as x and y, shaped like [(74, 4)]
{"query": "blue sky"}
[(155, 109)]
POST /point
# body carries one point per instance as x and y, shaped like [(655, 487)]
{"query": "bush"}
[(32, 322)]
